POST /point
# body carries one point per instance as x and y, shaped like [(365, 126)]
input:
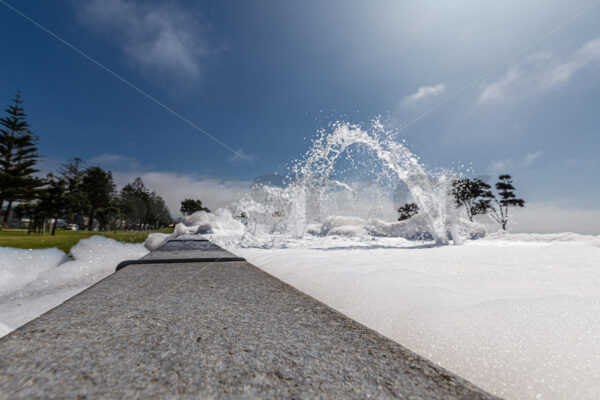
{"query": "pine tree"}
[(506, 193), (407, 211), (190, 206), (158, 212), (99, 188), (53, 199), (134, 200), (18, 157), (108, 216), (474, 195), (72, 173)]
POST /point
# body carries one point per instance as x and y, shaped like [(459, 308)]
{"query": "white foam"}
[(518, 315), (543, 237), (20, 267), (221, 221), (157, 239), (336, 225), (413, 228), (93, 259), (31, 275)]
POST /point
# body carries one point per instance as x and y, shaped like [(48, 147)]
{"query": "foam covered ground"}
[(35, 281), (516, 314)]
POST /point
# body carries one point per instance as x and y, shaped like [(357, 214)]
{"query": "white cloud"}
[(114, 160), (540, 72), (498, 89), (156, 38), (173, 187), (424, 92), (503, 166), (241, 156), (530, 158)]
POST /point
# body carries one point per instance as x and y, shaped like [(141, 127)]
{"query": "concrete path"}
[(209, 330)]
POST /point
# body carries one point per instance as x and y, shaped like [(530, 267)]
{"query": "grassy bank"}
[(64, 240)]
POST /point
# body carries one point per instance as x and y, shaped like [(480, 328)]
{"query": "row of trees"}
[(82, 196), (477, 198), (88, 197)]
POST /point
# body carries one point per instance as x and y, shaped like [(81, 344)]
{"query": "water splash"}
[(351, 171)]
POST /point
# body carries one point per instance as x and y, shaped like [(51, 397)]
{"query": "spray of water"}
[(350, 171)]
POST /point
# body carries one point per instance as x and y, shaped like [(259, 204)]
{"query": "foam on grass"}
[(26, 276)]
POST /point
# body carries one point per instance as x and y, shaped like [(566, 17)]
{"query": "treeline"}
[(476, 198), (86, 197)]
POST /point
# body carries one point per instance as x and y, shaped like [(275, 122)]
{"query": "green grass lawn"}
[(64, 240)]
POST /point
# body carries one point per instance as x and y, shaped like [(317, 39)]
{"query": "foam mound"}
[(414, 228), (26, 271), (21, 267), (34, 281), (345, 226), (221, 221), (155, 240)]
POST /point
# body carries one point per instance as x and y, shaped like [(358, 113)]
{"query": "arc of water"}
[(320, 163)]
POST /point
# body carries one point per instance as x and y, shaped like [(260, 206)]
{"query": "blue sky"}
[(263, 76)]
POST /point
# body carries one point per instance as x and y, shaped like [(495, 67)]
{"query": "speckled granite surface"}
[(209, 330), (188, 249)]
